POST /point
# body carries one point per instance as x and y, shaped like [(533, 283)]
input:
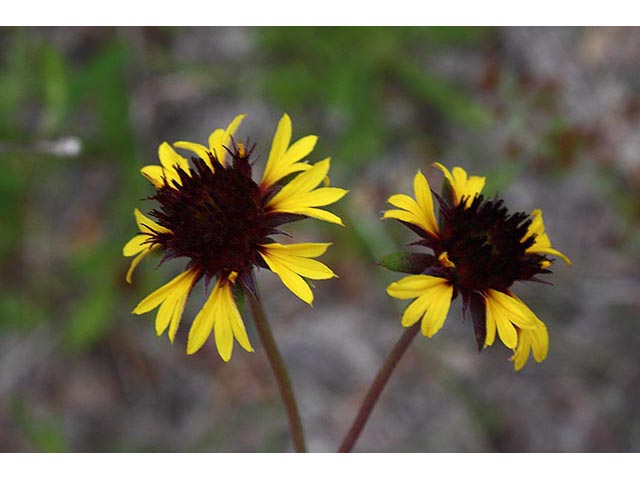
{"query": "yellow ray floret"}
[(536, 341), (504, 313), (218, 140), (461, 184), (433, 299), (221, 315), (166, 173), (300, 195), (417, 212), (137, 245), (542, 244), (284, 159), (292, 262), (171, 298)]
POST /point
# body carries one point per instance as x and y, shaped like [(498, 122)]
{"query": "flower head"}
[(213, 213), (479, 250)]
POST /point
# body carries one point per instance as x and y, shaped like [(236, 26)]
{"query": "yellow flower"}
[(541, 242), (479, 251), (285, 159), (534, 340), (461, 184), (213, 213), (418, 212), (140, 245), (433, 299)]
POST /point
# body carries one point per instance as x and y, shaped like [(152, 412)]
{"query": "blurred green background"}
[(550, 115)]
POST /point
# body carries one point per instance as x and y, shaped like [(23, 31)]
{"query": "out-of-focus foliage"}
[(47, 97), (354, 75)]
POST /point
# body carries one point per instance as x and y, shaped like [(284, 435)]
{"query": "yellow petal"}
[(222, 138), (513, 308), (459, 177), (539, 342), (424, 200), (299, 196), (537, 337), (302, 167), (200, 150), (446, 172), (171, 160), (299, 150), (432, 303), (302, 266), (536, 340), (438, 309), (521, 354), (462, 185), (165, 312), (414, 286), (542, 244), (307, 250), (146, 225), (203, 323), (506, 330), (415, 311), (405, 216), (536, 227), (290, 261), (221, 315), (417, 212), (505, 311), (316, 198), (155, 174), (239, 331), (405, 202), (408, 204), (289, 278), (281, 141), (136, 245), (134, 264), (548, 251), (170, 312), (302, 183), (491, 325), (474, 187), (177, 315), (155, 298), (320, 215), (223, 332)]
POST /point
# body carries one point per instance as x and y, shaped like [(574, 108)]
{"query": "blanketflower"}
[(213, 213), (479, 251)]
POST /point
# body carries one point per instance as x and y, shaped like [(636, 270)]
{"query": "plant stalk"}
[(377, 386), (279, 371)]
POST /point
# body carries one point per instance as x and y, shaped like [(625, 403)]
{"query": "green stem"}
[(280, 372), (376, 388)]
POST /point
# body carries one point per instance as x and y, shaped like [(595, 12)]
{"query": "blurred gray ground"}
[(564, 106)]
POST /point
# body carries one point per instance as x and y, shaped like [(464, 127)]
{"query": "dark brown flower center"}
[(215, 217), (484, 242)]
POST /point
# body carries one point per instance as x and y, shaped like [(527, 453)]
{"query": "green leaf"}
[(407, 262)]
